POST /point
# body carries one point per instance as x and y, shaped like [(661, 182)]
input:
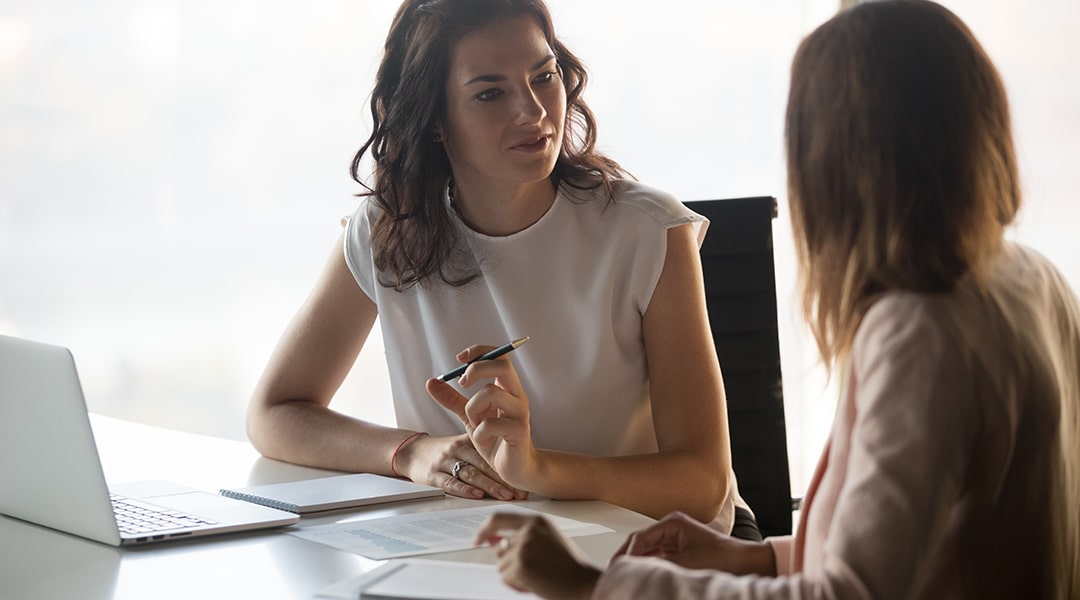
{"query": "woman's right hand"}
[(430, 460), (496, 416), (694, 545)]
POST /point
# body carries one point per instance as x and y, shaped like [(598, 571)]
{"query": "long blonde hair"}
[(902, 176), (901, 168)]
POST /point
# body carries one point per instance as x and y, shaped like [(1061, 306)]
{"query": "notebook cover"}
[(332, 493)]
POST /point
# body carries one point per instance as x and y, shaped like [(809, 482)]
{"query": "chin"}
[(534, 173)]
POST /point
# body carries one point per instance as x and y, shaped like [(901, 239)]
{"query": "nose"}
[(529, 109)]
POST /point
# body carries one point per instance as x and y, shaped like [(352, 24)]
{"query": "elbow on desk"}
[(710, 491), (256, 425), (702, 498), (709, 496), (277, 430)]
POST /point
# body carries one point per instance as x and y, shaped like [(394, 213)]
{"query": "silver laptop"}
[(50, 472)]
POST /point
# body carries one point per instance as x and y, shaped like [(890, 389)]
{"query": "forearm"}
[(306, 433), (652, 484)]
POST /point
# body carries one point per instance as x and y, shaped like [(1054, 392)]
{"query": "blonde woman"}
[(953, 466)]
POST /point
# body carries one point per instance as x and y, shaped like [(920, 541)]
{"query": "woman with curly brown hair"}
[(491, 216)]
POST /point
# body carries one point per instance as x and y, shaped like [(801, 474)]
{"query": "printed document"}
[(425, 532)]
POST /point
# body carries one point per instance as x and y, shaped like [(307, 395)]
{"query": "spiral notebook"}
[(334, 493)]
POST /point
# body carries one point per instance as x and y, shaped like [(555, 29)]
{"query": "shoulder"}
[(634, 204), (357, 245), (365, 212), (358, 224), (896, 311), (658, 205), (914, 379), (980, 315), (909, 328), (1026, 266)]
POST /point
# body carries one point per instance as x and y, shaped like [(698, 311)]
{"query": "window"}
[(172, 174)]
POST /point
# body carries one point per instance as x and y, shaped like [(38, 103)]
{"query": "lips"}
[(533, 143)]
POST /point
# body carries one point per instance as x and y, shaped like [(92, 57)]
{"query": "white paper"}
[(415, 578), (424, 533), (346, 589)]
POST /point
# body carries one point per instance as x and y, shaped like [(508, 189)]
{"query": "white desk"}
[(39, 563)]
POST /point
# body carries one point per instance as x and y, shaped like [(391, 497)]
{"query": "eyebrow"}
[(498, 78)]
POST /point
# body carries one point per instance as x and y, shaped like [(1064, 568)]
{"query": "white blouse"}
[(577, 282)]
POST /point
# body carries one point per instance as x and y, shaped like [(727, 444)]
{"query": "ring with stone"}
[(455, 472), (504, 544)]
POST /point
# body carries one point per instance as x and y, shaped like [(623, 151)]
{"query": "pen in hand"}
[(496, 353)]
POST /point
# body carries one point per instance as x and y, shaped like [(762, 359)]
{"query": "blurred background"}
[(173, 173)]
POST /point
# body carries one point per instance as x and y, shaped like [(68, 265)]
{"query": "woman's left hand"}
[(534, 556), (496, 417)]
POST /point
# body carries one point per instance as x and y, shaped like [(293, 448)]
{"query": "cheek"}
[(556, 108), (469, 128)]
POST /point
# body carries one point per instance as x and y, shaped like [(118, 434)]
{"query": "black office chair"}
[(740, 289)]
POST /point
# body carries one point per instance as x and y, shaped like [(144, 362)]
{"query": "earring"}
[(437, 137)]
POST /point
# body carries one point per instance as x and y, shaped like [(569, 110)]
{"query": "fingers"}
[(481, 474), (655, 540), (624, 548), (476, 479), (472, 352), (498, 526), (644, 542), (498, 411), (494, 430), (474, 472), (533, 555), (456, 487), (504, 394), (500, 369), (500, 529), (669, 537), (449, 398), (492, 402)]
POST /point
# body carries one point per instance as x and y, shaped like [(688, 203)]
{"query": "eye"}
[(489, 94), (546, 77)]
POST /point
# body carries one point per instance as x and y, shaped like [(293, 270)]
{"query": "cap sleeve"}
[(358, 255)]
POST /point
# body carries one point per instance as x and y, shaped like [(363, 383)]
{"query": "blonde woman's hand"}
[(691, 544), (534, 556)]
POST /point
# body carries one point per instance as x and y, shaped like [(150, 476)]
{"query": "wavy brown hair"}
[(412, 236), (901, 168)]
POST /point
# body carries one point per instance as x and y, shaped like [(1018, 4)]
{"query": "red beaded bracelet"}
[(398, 449)]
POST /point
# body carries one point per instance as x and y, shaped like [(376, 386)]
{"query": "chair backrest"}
[(740, 288)]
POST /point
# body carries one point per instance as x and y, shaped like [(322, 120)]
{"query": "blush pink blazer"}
[(953, 466)]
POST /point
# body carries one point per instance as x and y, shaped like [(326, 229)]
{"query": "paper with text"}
[(425, 532)]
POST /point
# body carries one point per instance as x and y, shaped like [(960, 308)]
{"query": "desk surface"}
[(40, 563)]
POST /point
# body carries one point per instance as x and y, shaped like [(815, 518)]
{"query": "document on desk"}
[(414, 534), (423, 579)]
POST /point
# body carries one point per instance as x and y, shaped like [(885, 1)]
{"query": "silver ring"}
[(504, 544), (455, 472)]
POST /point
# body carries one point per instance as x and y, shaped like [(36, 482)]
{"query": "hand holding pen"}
[(496, 353), (496, 417)]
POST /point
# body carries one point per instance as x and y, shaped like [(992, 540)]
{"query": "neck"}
[(501, 211)]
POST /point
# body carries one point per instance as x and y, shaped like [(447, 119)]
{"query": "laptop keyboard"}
[(136, 517)]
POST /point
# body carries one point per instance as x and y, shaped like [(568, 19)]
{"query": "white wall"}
[(172, 173)]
